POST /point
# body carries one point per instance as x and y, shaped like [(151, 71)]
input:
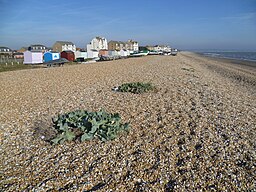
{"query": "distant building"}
[(22, 49), (5, 53), (60, 46), (116, 45), (119, 45), (99, 43), (38, 47), (132, 45), (18, 55), (163, 48), (33, 57), (150, 47)]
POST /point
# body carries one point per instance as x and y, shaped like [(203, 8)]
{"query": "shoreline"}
[(240, 72), (251, 63)]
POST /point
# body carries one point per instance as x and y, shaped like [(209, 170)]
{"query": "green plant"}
[(188, 69), (88, 125), (136, 87)]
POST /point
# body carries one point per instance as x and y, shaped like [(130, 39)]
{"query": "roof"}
[(17, 53), (5, 48), (34, 51), (100, 38), (113, 41), (37, 45), (51, 52), (117, 42), (65, 42), (68, 51), (23, 48), (131, 41)]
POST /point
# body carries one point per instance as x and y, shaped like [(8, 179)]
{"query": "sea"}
[(245, 56)]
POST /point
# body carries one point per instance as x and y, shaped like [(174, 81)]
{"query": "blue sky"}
[(185, 24)]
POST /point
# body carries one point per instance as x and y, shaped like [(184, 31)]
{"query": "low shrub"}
[(136, 87), (85, 125), (188, 69)]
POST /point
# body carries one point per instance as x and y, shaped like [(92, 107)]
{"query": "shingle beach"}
[(195, 132)]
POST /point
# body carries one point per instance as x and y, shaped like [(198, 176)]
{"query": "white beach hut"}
[(33, 57), (112, 53), (92, 53), (123, 53), (81, 54)]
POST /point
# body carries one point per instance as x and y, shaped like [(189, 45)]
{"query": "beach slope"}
[(195, 132)]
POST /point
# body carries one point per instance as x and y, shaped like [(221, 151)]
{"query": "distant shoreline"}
[(238, 61)]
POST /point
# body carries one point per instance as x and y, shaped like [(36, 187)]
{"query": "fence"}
[(10, 61)]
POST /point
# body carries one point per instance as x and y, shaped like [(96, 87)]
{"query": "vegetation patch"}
[(136, 87), (85, 125), (15, 66), (188, 69)]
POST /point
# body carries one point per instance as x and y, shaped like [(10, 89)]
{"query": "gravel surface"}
[(196, 132)]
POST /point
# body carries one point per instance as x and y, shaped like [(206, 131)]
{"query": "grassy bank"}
[(15, 66)]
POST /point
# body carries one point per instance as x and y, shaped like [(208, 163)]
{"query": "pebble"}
[(195, 133)]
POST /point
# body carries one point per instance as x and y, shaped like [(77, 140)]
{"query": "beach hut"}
[(69, 55), (123, 53), (81, 54), (92, 53), (103, 52), (18, 55), (112, 53), (49, 56), (33, 57)]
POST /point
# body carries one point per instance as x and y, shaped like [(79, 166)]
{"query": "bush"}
[(136, 87), (86, 125)]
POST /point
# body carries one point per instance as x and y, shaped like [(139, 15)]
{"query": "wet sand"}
[(196, 132)]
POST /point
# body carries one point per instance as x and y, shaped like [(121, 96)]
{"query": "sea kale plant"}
[(85, 125), (136, 87)]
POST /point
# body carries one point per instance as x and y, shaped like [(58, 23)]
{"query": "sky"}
[(185, 24)]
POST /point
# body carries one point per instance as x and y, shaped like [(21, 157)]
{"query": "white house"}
[(60, 46), (99, 43), (5, 53), (159, 48), (32, 57), (132, 45), (38, 47)]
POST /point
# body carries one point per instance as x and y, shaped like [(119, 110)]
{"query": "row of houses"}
[(98, 47), (159, 48)]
